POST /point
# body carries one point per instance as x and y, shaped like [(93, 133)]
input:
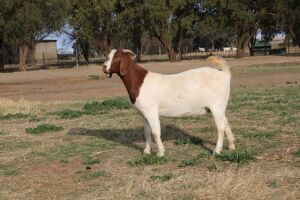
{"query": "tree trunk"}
[(23, 49), (139, 52), (2, 60), (251, 45), (85, 48), (242, 43), (31, 52)]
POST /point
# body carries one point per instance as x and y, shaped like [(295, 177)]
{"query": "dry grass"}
[(91, 158)]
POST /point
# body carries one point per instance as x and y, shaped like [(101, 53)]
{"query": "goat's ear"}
[(125, 64)]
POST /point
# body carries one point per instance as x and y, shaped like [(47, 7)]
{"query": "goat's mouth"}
[(106, 72)]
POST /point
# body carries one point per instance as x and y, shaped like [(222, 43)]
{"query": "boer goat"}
[(190, 93)]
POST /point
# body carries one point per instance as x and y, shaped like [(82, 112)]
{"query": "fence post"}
[(44, 62)]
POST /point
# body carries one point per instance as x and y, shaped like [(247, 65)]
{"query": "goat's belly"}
[(181, 111)]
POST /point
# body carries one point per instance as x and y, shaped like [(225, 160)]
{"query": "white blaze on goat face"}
[(111, 55)]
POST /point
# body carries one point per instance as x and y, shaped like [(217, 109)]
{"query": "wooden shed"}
[(46, 51)]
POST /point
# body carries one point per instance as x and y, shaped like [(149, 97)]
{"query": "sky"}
[(64, 42)]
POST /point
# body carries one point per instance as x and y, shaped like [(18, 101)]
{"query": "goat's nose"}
[(104, 69)]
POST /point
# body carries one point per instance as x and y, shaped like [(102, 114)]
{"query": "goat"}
[(190, 93), (201, 49), (226, 49)]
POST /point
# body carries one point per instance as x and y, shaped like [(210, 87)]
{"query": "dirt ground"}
[(74, 83)]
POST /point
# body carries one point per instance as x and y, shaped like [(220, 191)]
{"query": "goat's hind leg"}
[(229, 135), (220, 120)]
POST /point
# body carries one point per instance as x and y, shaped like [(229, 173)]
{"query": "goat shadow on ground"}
[(130, 137)]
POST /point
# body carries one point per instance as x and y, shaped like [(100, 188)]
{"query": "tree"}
[(288, 18), (169, 22), (28, 21), (130, 20), (245, 17), (90, 19)]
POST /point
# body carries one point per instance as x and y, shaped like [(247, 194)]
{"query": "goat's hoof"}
[(232, 147), (160, 154), (146, 151), (217, 152)]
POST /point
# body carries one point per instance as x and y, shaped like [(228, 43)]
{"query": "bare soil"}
[(74, 83)]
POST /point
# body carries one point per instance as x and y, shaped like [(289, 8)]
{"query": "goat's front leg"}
[(154, 123), (149, 142)]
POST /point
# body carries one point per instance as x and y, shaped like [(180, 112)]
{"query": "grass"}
[(104, 158), (87, 176), (8, 171), (190, 140), (44, 128), (66, 151), (69, 114), (34, 118), (93, 77), (190, 162), (3, 132), (297, 153), (13, 116), (236, 156), (110, 104), (163, 178), (91, 161), (151, 159)]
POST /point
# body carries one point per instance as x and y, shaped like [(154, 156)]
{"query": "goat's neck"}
[(134, 80)]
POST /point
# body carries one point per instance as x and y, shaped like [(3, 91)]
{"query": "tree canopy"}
[(100, 22)]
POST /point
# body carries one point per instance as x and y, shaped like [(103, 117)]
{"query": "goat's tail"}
[(220, 62)]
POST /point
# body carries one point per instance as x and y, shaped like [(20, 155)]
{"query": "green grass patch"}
[(69, 114), (13, 145), (163, 178), (297, 153), (44, 128), (190, 162), (79, 148), (87, 176), (14, 116), (236, 156), (110, 104), (93, 77), (3, 132), (34, 118), (91, 161), (262, 134), (11, 172), (8, 170), (190, 140), (151, 159)]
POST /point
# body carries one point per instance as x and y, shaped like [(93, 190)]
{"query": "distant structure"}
[(46, 52)]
